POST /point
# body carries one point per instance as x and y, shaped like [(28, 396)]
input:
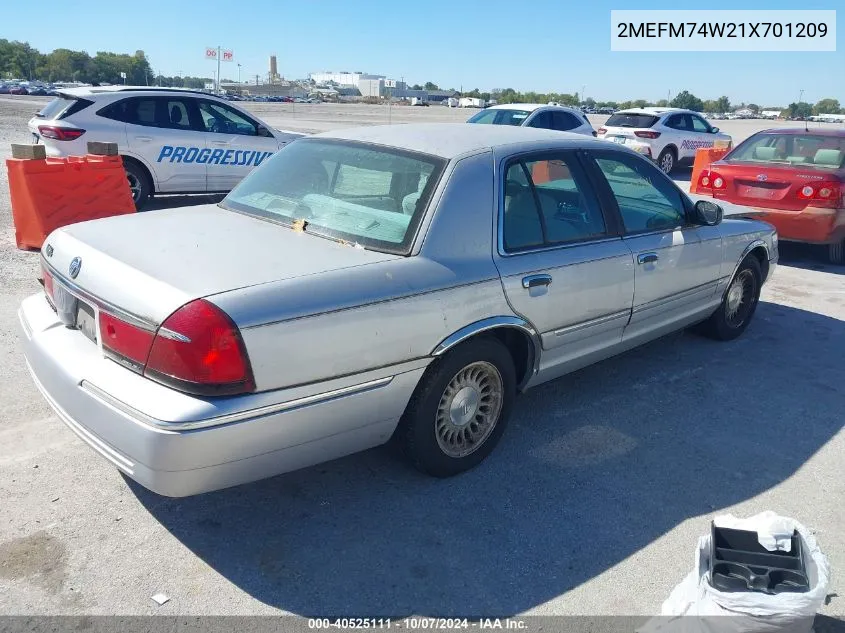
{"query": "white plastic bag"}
[(696, 607)]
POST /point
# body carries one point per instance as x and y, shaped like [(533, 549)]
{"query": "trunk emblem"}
[(49, 250), (75, 267), (762, 177)]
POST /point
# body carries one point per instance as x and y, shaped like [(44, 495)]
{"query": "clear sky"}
[(542, 45)]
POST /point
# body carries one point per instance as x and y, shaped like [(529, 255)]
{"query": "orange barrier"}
[(544, 171), (704, 157), (49, 193)]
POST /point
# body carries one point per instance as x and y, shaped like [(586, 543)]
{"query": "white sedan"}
[(171, 140), (547, 117)]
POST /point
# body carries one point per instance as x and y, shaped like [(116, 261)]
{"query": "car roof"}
[(655, 111), (526, 106), (449, 140), (821, 131), (87, 91)]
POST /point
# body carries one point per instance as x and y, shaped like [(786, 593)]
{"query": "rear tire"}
[(738, 305), (836, 253), (460, 409), (139, 182), (667, 160)]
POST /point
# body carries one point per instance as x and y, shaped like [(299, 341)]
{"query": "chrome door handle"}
[(647, 258), (532, 281), (220, 143), (143, 138)]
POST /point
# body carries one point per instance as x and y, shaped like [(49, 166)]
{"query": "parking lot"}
[(592, 504)]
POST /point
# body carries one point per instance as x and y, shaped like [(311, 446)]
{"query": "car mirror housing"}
[(708, 213), (714, 130)]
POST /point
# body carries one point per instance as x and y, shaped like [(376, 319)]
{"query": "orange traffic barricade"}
[(704, 157), (48, 193)]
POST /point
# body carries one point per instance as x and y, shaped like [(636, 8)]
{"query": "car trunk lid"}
[(148, 265), (773, 186)]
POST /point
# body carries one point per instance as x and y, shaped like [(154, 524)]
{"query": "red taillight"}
[(60, 133), (602, 130), (716, 180), (646, 134), (47, 277), (126, 343), (822, 194), (198, 349)]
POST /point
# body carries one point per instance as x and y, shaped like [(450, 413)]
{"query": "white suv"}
[(550, 117), (171, 140), (669, 136)]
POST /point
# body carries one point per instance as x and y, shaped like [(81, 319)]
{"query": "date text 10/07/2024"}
[(417, 623)]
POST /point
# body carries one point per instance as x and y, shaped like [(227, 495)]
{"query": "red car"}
[(18, 90), (795, 176)]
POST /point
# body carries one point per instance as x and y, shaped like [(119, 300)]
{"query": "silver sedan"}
[(401, 282)]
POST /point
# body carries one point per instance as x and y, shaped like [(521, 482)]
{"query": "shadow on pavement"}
[(594, 467), (807, 257)]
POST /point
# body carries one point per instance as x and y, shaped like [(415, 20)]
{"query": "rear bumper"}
[(266, 434), (812, 225)]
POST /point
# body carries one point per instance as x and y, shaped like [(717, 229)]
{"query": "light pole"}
[(239, 74), (583, 93), (800, 95)]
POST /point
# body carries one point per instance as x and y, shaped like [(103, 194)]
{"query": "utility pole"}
[(219, 52), (239, 74), (583, 93)]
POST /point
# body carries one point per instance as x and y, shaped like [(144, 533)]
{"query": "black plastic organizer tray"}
[(739, 563)]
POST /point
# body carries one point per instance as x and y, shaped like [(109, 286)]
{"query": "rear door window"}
[(679, 122), (548, 202), (543, 120), (565, 121)]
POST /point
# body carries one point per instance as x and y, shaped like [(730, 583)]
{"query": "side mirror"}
[(714, 130), (708, 213)]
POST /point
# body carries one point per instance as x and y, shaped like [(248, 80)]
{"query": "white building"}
[(343, 78)]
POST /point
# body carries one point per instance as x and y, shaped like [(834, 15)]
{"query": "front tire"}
[(836, 253), (460, 409), (666, 161), (739, 303), (139, 182)]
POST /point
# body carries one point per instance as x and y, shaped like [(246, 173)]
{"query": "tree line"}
[(19, 60)]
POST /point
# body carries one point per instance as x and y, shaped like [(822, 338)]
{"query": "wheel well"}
[(143, 167), (763, 259), (671, 147), (521, 348)]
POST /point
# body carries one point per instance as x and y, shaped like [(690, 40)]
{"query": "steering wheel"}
[(215, 126)]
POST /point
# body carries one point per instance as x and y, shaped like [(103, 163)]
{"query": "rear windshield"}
[(371, 196), (631, 120), (806, 150), (60, 107), (500, 117)]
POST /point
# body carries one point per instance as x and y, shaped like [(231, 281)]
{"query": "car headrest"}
[(175, 114), (765, 153), (832, 157)]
